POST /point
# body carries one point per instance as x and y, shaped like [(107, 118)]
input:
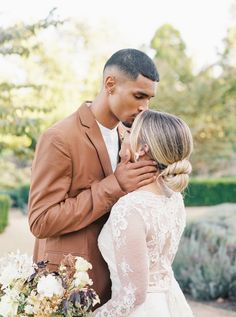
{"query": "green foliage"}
[(205, 265), (14, 181), (4, 210), (22, 111), (44, 87), (13, 40), (211, 191), (201, 98), (13, 172), (232, 288), (19, 196), (170, 56)]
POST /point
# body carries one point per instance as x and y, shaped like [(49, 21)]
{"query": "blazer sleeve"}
[(51, 211)]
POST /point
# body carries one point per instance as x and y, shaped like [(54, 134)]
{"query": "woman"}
[(141, 237)]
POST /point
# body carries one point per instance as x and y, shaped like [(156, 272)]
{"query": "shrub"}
[(19, 196), (4, 210), (205, 192), (205, 265)]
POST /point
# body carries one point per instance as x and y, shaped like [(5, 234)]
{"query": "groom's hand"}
[(131, 176)]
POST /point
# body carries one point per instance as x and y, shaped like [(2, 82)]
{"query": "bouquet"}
[(31, 290)]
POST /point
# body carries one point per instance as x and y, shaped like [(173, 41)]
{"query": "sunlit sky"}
[(202, 23)]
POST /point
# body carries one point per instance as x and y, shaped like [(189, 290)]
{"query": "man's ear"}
[(110, 83)]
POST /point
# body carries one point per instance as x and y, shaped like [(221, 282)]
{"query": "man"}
[(76, 178)]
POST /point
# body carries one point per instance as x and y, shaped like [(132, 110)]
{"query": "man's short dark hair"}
[(133, 62)]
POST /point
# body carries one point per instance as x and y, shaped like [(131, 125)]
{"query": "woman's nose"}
[(125, 145)]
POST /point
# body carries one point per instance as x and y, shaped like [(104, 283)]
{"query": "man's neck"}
[(102, 113)]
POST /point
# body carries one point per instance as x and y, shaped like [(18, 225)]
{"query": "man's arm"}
[(51, 211)]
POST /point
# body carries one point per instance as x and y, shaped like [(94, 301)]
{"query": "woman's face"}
[(125, 147), (141, 152)]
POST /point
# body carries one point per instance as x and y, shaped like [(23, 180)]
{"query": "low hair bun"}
[(175, 175)]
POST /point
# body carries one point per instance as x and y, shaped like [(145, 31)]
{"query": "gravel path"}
[(204, 310), (18, 236)]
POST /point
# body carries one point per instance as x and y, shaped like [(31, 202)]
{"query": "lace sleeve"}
[(131, 259)]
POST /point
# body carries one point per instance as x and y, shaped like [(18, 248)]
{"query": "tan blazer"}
[(72, 190)]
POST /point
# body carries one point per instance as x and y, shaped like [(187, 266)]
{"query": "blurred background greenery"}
[(46, 86)]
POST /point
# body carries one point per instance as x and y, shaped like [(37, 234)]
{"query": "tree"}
[(198, 98), (21, 111)]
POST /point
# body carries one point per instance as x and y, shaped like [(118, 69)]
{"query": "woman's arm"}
[(129, 240)]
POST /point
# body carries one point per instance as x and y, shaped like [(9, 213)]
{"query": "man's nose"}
[(144, 105)]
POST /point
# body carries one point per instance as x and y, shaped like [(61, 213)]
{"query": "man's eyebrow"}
[(143, 94)]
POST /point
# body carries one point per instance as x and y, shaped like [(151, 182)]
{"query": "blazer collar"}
[(93, 132), (86, 116)]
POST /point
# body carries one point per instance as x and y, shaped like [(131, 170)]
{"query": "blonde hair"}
[(170, 144)]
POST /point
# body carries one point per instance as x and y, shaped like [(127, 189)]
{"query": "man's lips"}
[(133, 117), (129, 121)]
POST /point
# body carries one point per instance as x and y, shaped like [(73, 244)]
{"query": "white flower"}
[(49, 285), (29, 310), (8, 274), (82, 265), (9, 303), (81, 279), (33, 303), (15, 266)]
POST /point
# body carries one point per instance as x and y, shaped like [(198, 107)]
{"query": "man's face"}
[(130, 97)]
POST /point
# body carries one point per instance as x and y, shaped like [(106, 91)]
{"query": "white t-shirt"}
[(111, 140)]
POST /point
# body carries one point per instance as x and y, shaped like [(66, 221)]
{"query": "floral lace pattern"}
[(139, 243)]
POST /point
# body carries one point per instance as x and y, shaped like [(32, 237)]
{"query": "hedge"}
[(200, 192), (211, 191), (19, 196), (4, 210)]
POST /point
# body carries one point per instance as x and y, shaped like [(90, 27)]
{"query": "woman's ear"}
[(143, 150), (146, 148)]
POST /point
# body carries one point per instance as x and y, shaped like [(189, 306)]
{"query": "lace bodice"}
[(139, 243)]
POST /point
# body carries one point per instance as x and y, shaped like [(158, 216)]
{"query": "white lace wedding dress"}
[(139, 243)]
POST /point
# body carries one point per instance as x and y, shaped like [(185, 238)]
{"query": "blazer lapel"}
[(94, 134)]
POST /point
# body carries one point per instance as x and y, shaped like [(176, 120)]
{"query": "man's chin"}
[(127, 124)]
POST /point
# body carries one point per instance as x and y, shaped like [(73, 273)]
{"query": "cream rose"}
[(49, 285)]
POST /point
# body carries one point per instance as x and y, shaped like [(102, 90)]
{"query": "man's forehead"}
[(140, 84), (144, 86)]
